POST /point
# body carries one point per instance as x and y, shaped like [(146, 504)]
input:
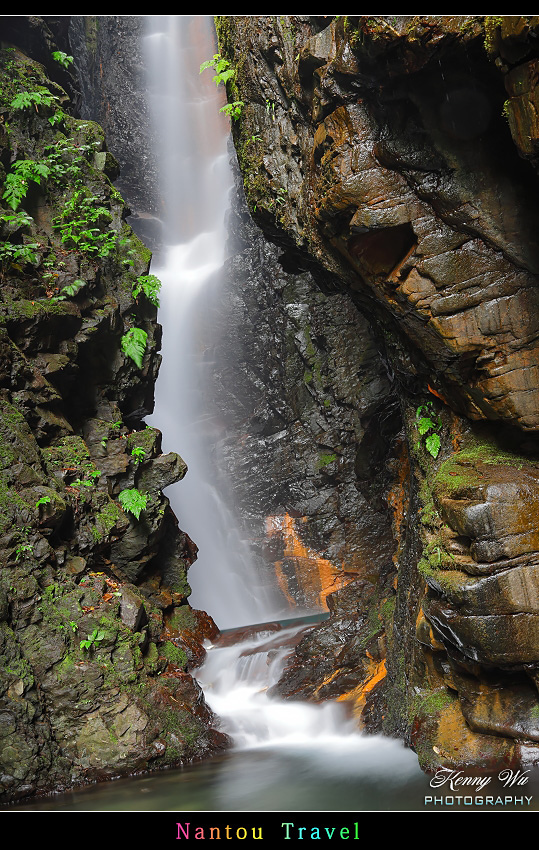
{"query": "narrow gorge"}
[(364, 368)]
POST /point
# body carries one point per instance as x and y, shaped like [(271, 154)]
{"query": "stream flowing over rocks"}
[(372, 358)]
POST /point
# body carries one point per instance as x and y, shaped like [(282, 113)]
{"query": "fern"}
[(150, 285), (26, 99), (224, 73), (429, 424), (432, 444), (134, 345), (61, 57), (133, 501), (233, 110), (138, 454)]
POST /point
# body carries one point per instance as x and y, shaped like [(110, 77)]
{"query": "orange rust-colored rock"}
[(316, 577), (376, 672)]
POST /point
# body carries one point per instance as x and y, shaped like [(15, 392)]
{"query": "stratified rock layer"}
[(384, 155)]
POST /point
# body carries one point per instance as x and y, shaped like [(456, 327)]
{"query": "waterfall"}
[(323, 740), (191, 137)]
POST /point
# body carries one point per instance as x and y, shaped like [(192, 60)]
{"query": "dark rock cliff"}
[(392, 161), (96, 634), (309, 420)]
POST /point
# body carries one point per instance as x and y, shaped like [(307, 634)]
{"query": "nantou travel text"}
[(288, 830)]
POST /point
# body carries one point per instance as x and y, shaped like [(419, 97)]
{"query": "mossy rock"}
[(173, 654), (148, 439)]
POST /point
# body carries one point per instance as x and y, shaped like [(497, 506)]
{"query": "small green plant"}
[(124, 244), (93, 476), (81, 225), (17, 181), (58, 117), (134, 345), (224, 73), (70, 290), (150, 285), (74, 288), (96, 637), (428, 424), (27, 99), (138, 454), (22, 549), (61, 57), (16, 220), (133, 501), (44, 500), (17, 255), (221, 66), (233, 110)]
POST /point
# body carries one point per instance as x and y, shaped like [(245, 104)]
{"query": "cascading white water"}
[(192, 135), (236, 680), (305, 742)]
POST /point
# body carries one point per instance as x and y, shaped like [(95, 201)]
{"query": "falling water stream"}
[(191, 137)]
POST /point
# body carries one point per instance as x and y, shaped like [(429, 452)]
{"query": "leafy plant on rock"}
[(26, 99), (22, 549), (96, 637), (429, 425), (224, 74), (133, 501), (138, 454), (233, 110), (63, 58), (221, 66), (81, 225), (17, 181), (134, 345), (150, 285), (17, 255)]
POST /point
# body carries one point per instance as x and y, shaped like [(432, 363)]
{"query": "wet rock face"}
[(117, 98), (307, 417), (385, 155), (96, 634)]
